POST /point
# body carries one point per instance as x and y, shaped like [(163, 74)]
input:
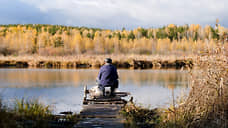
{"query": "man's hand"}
[(97, 80)]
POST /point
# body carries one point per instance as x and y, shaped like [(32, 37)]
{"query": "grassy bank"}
[(90, 61), (205, 106), (33, 114)]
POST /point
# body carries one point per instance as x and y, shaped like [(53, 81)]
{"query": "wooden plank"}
[(100, 123), (106, 99), (114, 102), (101, 115), (104, 110)]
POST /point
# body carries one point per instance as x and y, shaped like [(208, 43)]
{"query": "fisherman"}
[(108, 77)]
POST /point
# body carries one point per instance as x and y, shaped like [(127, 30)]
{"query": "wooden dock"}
[(102, 112)]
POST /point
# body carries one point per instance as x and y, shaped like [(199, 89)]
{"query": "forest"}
[(58, 40)]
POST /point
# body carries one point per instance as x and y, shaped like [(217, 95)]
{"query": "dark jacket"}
[(108, 76)]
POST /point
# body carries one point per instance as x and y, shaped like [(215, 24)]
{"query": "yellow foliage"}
[(20, 37), (88, 44), (171, 26)]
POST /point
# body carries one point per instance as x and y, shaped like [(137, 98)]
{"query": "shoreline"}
[(96, 61)]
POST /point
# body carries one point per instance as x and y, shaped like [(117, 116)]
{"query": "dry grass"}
[(137, 117), (95, 61), (206, 105), (96, 57)]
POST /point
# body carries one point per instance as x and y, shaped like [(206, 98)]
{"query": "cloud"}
[(15, 12), (128, 13)]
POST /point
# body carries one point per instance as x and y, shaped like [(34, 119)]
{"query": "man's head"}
[(108, 60)]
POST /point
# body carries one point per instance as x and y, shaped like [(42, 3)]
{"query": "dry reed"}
[(95, 61), (206, 105)]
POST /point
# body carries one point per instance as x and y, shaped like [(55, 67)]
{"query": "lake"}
[(63, 88)]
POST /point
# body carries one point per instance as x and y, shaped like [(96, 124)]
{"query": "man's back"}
[(108, 75)]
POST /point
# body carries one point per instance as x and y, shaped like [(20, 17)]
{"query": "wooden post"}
[(85, 95)]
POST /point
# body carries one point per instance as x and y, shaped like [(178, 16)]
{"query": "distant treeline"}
[(65, 40)]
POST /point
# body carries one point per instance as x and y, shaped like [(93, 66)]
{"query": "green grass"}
[(33, 114), (32, 109)]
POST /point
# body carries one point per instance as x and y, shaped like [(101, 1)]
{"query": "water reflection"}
[(63, 88), (66, 77)]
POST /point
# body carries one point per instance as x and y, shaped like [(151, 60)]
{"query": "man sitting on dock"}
[(108, 77)]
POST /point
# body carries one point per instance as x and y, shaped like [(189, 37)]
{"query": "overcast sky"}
[(114, 14)]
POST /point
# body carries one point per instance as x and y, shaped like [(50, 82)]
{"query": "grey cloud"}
[(15, 12)]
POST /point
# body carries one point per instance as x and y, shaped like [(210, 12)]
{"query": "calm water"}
[(63, 88)]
